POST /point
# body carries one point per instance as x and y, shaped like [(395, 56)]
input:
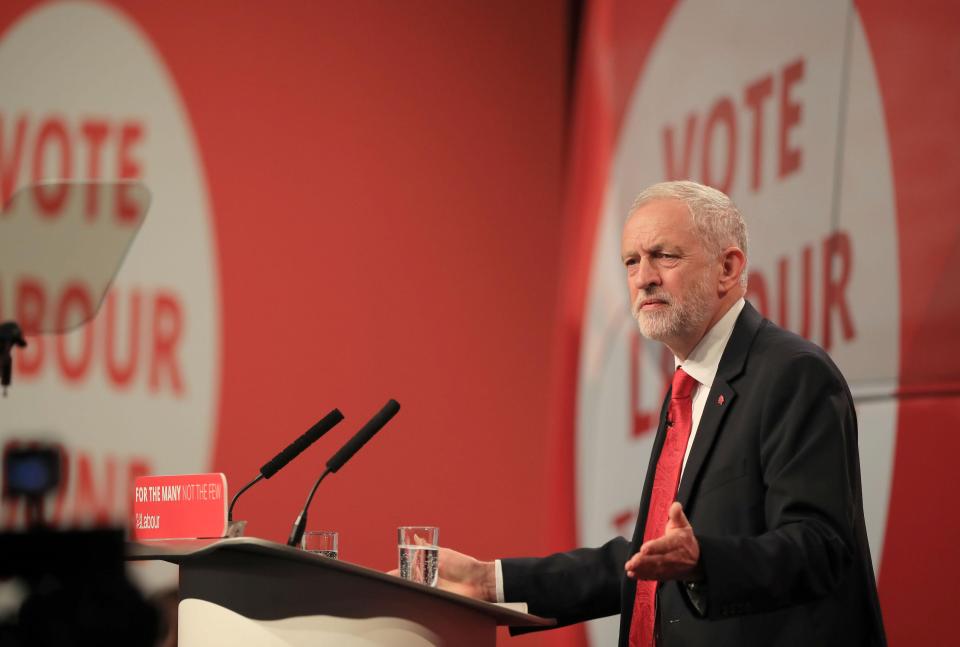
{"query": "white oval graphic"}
[(778, 105), (86, 96)]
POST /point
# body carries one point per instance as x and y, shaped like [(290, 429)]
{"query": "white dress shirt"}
[(701, 364)]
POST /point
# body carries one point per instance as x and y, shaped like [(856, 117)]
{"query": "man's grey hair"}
[(716, 217)]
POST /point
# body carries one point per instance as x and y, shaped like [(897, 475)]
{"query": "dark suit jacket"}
[(772, 490)]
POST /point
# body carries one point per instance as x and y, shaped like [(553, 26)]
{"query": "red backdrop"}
[(386, 188)]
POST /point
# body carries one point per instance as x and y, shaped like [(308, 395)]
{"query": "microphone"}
[(382, 417), (337, 461), (292, 450)]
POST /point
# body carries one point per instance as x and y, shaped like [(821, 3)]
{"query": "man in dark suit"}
[(751, 528)]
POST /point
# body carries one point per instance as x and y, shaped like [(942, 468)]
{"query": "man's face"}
[(672, 277)]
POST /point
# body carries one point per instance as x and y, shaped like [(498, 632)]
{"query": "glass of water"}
[(321, 542), (419, 553)]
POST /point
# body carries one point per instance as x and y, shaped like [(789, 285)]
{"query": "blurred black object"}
[(31, 472), (10, 336), (78, 594)]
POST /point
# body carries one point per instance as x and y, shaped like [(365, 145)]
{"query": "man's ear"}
[(733, 263)]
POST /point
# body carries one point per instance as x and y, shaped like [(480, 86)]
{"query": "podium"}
[(247, 591)]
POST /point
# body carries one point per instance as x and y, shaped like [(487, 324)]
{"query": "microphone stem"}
[(236, 496), (301, 523)]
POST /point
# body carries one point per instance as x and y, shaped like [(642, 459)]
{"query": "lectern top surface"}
[(185, 552)]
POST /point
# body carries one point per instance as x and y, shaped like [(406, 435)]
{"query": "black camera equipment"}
[(78, 593)]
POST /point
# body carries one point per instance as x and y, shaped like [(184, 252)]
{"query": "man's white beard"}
[(680, 317)]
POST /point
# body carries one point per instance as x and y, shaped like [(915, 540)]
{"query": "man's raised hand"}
[(675, 556)]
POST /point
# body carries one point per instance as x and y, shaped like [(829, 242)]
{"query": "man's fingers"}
[(632, 562), (455, 587), (676, 518), (657, 547), (661, 557), (652, 549), (646, 567)]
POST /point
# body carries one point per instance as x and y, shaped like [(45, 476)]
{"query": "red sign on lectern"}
[(183, 506)]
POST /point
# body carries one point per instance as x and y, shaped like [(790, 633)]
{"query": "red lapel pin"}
[(720, 400)]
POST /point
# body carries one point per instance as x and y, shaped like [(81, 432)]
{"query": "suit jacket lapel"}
[(713, 415), (720, 399)]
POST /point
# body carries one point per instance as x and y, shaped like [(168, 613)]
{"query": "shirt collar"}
[(704, 360)]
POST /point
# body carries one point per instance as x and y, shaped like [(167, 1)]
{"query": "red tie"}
[(665, 482)]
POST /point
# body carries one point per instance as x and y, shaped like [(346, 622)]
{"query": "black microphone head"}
[(389, 410), (366, 432), (295, 448)]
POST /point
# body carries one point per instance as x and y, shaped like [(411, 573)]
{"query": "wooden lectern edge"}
[(178, 551)]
